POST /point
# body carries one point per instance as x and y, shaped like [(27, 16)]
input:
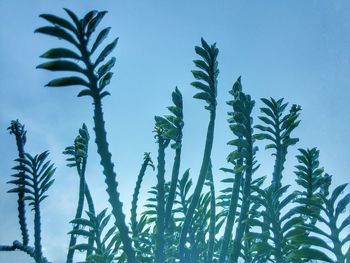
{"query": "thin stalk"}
[(18, 130), (37, 220), (110, 180), (106, 158), (237, 244), (201, 179), (212, 216), (79, 212), (160, 253), (91, 210), (172, 191), (135, 197), (231, 213)]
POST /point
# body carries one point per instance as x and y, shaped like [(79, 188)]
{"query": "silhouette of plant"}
[(97, 77), (248, 220)]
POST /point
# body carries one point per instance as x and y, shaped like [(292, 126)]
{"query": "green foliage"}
[(181, 223), (277, 128), (18, 130), (37, 178), (281, 225), (106, 243), (94, 77), (330, 235)]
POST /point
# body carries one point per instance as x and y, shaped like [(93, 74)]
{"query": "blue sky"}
[(299, 50)]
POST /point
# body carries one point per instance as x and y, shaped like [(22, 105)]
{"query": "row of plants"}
[(252, 219)]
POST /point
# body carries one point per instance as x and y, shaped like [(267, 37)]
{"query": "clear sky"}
[(299, 50)]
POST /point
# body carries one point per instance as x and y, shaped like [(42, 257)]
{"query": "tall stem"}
[(201, 179), (212, 216), (237, 244), (110, 179), (17, 129), (160, 254), (172, 191), (37, 221), (79, 212), (231, 213)]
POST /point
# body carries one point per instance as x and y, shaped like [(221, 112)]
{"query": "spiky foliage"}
[(328, 239), (18, 130), (105, 246), (172, 126), (279, 224), (78, 158), (94, 77), (277, 128), (207, 84), (37, 180)]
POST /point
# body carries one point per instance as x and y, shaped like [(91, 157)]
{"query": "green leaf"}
[(60, 53), (86, 92), (99, 39), (106, 67), (61, 65), (106, 51), (95, 22), (57, 32), (308, 253), (59, 22), (67, 81), (203, 96)]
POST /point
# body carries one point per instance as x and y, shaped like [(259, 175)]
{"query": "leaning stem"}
[(201, 179)]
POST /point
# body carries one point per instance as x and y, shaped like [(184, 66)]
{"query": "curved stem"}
[(135, 197), (199, 186)]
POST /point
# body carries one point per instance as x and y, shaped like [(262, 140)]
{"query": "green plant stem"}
[(106, 158), (201, 179), (20, 202), (241, 228), (231, 213), (160, 253), (135, 198), (212, 216), (79, 212), (110, 179), (37, 221), (91, 210), (172, 191)]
